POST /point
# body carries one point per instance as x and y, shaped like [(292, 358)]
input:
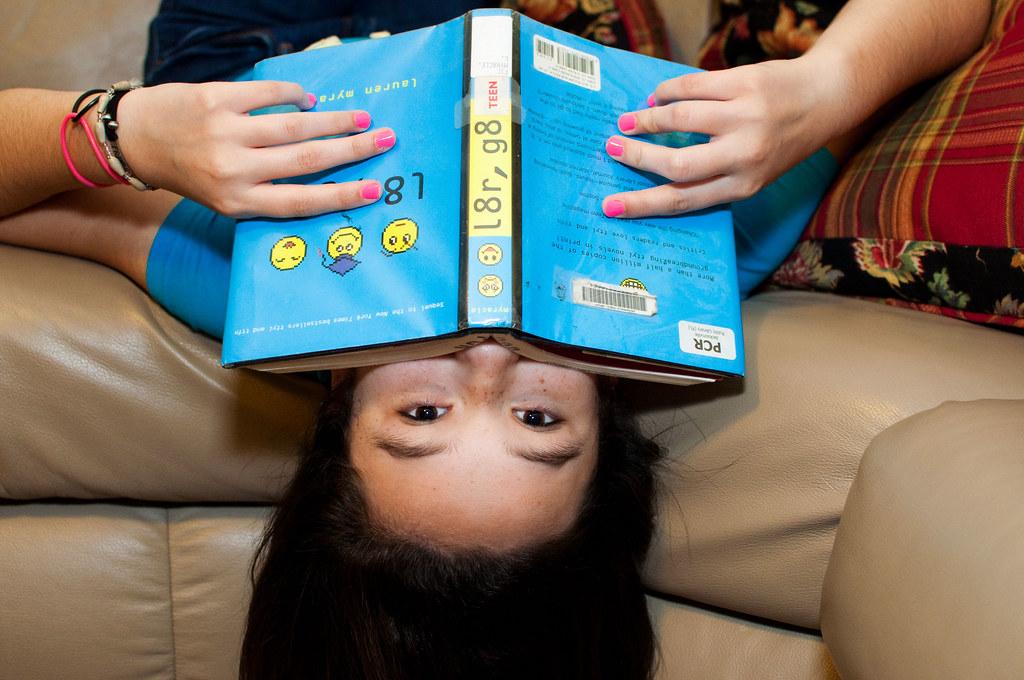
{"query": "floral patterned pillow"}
[(930, 213), (634, 25), (750, 31)]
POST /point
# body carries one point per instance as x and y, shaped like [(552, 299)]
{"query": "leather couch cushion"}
[(72, 45), (112, 592), (105, 396), (925, 581), (759, 472), (698, 643)]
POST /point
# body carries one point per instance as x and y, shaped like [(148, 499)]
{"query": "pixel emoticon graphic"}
[(489, 254), (342, 247), (399, 236), (288, 253)]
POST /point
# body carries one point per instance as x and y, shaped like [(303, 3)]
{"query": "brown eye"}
[(425, 413), (535, 417)]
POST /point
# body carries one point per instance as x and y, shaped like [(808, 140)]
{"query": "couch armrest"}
[(72, 46), (925, 577), (107, 396)]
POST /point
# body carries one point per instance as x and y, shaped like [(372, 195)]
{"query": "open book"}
[(490, 224)]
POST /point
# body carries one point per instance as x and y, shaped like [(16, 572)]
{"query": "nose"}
[(489, 366), (489, 356)]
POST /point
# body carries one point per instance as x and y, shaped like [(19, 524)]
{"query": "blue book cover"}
[(660, 288), (378, 275), (490, 223)]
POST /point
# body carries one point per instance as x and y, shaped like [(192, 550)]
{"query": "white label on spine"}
[(565, 63), (491, 47)]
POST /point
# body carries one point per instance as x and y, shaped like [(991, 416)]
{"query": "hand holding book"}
[(200, 141), (756, 136)]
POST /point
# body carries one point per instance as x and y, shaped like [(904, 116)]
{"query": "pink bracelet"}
[(67, 155), (101, 156)]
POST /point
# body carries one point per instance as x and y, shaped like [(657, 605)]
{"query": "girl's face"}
[(475, 449)]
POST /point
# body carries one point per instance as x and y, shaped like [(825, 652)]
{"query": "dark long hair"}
[(336, 596)]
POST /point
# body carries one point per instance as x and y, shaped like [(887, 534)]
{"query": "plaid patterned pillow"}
[(930, 213)]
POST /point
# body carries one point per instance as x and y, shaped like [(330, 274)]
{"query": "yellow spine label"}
[(490, 175)]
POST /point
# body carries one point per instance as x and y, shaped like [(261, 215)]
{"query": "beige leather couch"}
[(852, 508)]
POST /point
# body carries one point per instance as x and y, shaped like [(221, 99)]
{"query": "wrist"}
[(839, 101), (129, 139)]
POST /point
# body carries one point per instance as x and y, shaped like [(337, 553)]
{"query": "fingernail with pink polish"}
[(627, 122), (614, 147), (370, 191), (614, 208), (384, 140), (310, 100), (651, 101), (362, 120)]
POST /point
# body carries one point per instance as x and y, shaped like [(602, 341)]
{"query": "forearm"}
[(33, 168), (114, 227), (875, 49), (765, 118)]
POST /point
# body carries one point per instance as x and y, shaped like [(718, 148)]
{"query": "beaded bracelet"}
[(101, 156), (106, 131)]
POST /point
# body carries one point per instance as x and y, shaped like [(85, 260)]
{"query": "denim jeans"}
[(201, 40)]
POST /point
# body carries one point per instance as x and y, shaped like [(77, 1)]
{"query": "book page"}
[(659, 288), (384, 273)]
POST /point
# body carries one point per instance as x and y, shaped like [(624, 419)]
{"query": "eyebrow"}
[(398, 447), (557, 455)]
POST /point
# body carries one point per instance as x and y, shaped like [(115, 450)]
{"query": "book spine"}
[(490, 289)]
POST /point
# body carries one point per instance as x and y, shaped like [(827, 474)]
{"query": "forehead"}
[(475, 495)]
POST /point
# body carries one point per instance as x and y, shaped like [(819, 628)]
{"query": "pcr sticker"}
[(707, 340)]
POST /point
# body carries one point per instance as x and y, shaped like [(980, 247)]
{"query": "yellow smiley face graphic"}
[(399, 236), (288, 253), (489, 285), (633, 283), (345, 241), (489, 253)]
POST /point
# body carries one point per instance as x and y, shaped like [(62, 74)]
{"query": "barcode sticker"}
[(565, 63), (707, 340), (616, 298)]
